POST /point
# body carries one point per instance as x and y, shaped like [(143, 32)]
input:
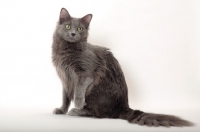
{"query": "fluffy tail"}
[(150, 119)]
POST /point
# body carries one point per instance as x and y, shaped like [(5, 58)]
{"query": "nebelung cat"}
[(92, 77)]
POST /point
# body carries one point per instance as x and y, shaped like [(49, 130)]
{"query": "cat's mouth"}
[(72, 40)]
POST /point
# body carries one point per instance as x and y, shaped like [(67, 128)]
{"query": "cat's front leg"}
[(80, 91), (65, 104), (79, 102)]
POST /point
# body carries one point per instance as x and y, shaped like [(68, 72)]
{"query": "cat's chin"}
[(72, 40)]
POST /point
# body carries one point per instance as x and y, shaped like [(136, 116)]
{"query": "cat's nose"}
[(73, 34)]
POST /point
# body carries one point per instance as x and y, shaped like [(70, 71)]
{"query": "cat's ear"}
[(86, 20), (64, 15)]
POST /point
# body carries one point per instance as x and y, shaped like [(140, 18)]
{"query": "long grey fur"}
[(92, 77)]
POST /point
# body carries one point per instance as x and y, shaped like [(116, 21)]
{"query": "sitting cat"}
[(92, 77)]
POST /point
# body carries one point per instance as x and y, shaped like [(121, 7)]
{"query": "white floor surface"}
[(42, 120)]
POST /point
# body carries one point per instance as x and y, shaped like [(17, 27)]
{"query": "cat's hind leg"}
[(78, 112)]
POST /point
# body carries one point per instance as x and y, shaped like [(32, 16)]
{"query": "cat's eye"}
[(67, 26), (80, 29)]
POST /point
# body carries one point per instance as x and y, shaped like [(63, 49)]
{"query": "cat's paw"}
[(77, 112), (73, 112), (79, 103), (58, 111)]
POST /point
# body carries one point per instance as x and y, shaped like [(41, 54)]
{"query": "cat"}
[(93, 78)]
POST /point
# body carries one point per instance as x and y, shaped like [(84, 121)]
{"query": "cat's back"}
[(96, 47), (108, 62), (98, 51)]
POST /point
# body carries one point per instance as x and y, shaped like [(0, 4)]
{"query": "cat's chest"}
[(77, 63), (63, 68), (66, 61)]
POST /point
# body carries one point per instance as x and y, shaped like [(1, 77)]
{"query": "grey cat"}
[(92, 77)]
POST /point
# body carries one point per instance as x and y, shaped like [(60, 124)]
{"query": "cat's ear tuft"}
[(86, 20), (64, 15)]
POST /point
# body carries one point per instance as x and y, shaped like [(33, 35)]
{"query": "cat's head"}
[(73, 29)]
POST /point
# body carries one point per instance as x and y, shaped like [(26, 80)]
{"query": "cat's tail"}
[(150, 119)]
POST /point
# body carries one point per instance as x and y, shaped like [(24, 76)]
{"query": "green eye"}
[(68, 27), (80, 29)]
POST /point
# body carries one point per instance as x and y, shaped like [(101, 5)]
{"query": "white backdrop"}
[(156, 42)]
